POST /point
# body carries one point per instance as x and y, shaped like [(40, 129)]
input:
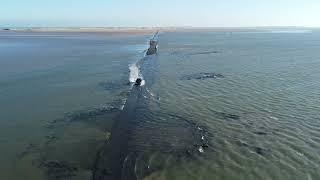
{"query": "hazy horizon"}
[(152, 27), (175, 13)]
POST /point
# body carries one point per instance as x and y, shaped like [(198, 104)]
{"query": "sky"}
[(132, 13)]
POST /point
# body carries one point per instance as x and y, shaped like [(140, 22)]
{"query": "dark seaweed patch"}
[(181, 138), (51, 139), (204, 53), (257, 149), (174, 53), (260, 133), (261, 151), (90, 115), (201, 129), (101, 117), (29, 149), (201, 133), (202, 76), (181, 53), (59, 169), (227, 116)]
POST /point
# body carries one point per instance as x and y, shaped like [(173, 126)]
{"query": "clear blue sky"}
[(198, 13)]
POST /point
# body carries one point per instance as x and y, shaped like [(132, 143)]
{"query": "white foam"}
[(300, 154), (124, 101), (134, 72), (134, 67), (201, 150), (150, 93), (143, 82), (274, 118)]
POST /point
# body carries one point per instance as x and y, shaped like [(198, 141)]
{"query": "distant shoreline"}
[(139, 30), (130, 30)]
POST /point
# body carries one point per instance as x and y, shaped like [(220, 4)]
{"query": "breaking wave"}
[(135, 73), (134, 69)]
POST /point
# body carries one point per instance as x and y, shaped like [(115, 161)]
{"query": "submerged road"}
[(139, 133)]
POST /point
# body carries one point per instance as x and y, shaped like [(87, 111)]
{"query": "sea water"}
[(255, 93)]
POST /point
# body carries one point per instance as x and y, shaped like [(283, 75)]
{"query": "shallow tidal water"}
[(215, 104)]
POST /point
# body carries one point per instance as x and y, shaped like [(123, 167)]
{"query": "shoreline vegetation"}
[(141, 30)]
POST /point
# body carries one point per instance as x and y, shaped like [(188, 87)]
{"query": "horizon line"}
[(141, 27)]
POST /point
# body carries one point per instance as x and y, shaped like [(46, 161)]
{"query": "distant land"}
[(148, 29), (86, 29)]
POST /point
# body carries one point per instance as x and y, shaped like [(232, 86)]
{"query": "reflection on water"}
[(215, 105)]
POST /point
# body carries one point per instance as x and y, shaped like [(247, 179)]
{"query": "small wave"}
[(152, 95), (274, 118)]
